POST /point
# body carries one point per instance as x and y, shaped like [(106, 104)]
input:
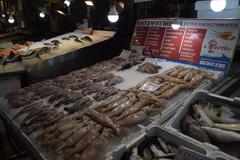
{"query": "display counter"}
[(107, 104)]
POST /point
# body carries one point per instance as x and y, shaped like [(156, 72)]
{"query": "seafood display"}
[(90, 131), (80, 114), (148, 67), (214, 122), (172, 82)]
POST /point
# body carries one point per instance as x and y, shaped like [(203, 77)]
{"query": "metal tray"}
[(231, 88), (163, 132), (174, 123)]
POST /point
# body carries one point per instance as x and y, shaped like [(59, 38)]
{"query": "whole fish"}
[(102, 119), (229, 127), (147, 154), (174, 79), (201, 116), (163, 145), (221, 113), (122, 107), (157, 153), (135, 108), (134, 154), (163, 87), (94, 149), (173, 91), (183, 73), (222, 136), (197, 79), (88, 137), (177, 71), (133, 119), (190, 127)]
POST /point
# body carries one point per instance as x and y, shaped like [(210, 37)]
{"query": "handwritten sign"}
[(202, 43)]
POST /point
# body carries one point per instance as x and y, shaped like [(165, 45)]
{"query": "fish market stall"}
[(20, 58), (90, 105), (90, 112)]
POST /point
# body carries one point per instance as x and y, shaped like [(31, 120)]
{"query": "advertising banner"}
[(200, 42)]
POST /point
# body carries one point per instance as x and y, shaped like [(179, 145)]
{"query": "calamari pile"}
[(75, 116), (84, 135), (152, 148), (175, 80), (216, 123), (148, 67)]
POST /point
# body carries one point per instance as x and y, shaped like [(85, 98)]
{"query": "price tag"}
[(125, 54), (187, 154), (149, 87)]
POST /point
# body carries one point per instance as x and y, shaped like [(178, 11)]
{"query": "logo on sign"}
[(213, 47)]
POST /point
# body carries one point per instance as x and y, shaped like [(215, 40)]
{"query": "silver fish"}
[(229, 127), (163, 145), (222, 136), (201, 116), (134, 155), (221, 113)]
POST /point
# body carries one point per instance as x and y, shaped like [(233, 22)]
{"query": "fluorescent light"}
[(3, 15), (67, 2), (42, 14), (113, 15), (218, 5), (176, 25), (89, 3), (11, 19)]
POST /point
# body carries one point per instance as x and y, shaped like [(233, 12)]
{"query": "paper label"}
[(150, 87)]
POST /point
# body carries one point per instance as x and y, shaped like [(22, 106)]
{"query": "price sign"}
[(205, 43)]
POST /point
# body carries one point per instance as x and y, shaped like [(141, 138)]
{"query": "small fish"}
[(65, 38), (222, 136), (157, 152), (87, 38), (134, 154), (229, 127), (201, 116), (147, 154), (163, 145)]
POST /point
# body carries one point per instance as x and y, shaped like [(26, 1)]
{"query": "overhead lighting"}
[(60, 12), (11, 19), (113, 15), (67, 2), (121, 4), (89, 3), (3, 15), (176, 25), (42, 14), (218, 5)]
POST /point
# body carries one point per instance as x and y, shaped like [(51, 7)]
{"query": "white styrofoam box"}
[(205, 5)]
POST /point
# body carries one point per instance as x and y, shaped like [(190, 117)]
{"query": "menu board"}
[(206, 43)]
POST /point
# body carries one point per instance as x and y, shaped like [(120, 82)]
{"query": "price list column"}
[(171, 43), (140, 36), (192, 44), (154, 41)]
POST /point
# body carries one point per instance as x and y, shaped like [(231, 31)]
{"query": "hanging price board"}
[(205, 43)]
